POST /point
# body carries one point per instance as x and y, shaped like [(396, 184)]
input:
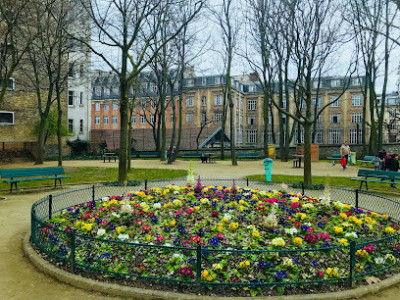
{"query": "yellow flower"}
[(374, 214), (343, 242), (217, 266), (328, 271), (298, 240), (255, 234), (172, 223), (343, 216), (149, 197), (177, 203), (301, 215), (204, 274), (62, 220), (209, 278), (362, 253), (346, 206), (118, 230), (389, 230), (78, 224), (278, 242), (225, 220), (220, 188), (244, 264), (87, 227), (197, 208), (233, 226), (241, 202), (338, 229), (148, 237), (385, 217), (241, 208)]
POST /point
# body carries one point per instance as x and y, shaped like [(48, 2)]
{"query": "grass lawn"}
[(101, 175)]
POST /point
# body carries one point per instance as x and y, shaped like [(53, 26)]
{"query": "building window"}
[(142, 119), (153, 87), (319, 136), (106, 106), (133, 119), (115, 119), (252, 105), (296, 137), (316, 83), (218, 99), (317, 102), (335, 83), (81, 98), (241, 103), (335, 118), (218, 117), (203, 117), (171, 118), (334, 102), (71, 70), (70, 125), (81, 71), (251, 120), (356, 117), (143, 87), (81, 126), (355, 138), (204, 81), (6, 118), (70, 98), (356, 100), (355, 81), (252, 136), (190, 82), (152, 118), (252, 88), (217, 80), (97, 120), (203, 101), (143, 104), (189, 101), (97, 106), (189, 117), (284, 103), (334, 136), (115, 105), (10, 84), (319, 119), (105, 120)]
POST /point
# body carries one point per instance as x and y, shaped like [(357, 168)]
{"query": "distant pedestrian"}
[(343, 163), (345, 151), (392, 164), (377, 161)]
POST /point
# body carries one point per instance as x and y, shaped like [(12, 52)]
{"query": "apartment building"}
[(203, 110)]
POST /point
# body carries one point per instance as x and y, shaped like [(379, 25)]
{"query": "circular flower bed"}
[(244, 236)]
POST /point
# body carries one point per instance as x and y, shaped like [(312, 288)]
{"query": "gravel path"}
[(20, 280)]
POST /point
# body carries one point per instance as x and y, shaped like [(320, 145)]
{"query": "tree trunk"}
[(307, 153), (59, 126), (41, 141)]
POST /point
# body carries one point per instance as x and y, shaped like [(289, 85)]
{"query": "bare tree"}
[(131, 27), (14, 39)]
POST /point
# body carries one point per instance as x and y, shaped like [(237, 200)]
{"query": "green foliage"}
[(78, 146), (51, 126)]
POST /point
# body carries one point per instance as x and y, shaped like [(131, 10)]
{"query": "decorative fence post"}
[(145, 184), (352, 262), (93, 193), (73, 246), (357, 198), (33, 226), (50, 205), (247, 181), (302, 188), (198, 267)]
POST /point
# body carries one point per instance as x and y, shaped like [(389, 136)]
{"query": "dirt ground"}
[(20, 280)]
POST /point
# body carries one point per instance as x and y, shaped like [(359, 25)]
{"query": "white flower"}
[(290, 231), (379, 260), (178, 257), (105, 199), (227, 216), (157, 205), (351, 234), (168, 245), (135, 241), (308, 205), (115, 215), (123, 237), (101, 232)]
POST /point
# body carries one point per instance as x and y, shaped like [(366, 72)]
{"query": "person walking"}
[(392, 164), (345, 151), (377, 161)]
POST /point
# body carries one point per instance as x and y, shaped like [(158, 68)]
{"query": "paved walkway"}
[(20, 280)]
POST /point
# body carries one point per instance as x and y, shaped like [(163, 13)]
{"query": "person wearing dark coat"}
[(392, 164)]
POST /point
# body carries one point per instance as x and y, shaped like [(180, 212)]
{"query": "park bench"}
[(33, 174), (149, 154), (334, 157), (192, 155), (376, 176), (134, 154), (366, 159), (110, 156), (247, 155)]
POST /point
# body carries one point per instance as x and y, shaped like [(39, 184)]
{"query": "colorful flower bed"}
[(245, 236)]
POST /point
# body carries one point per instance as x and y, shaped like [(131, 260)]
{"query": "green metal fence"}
[(114, 258)]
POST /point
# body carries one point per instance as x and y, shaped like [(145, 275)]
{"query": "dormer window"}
[(6, 118), (10, 83)]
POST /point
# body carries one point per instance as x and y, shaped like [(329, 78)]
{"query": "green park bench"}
[(20, 175), (366, 159), (376, 176), (334, 157), (149, 154), (247, 155), (192, 155)]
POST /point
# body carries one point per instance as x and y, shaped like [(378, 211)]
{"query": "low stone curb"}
[(147, 294)]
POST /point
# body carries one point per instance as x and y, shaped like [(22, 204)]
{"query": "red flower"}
[(196, 239), (160, 238), (297, 224), (214, 213), (310, 229), (146, 227), (311, 238), (220, 236)]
